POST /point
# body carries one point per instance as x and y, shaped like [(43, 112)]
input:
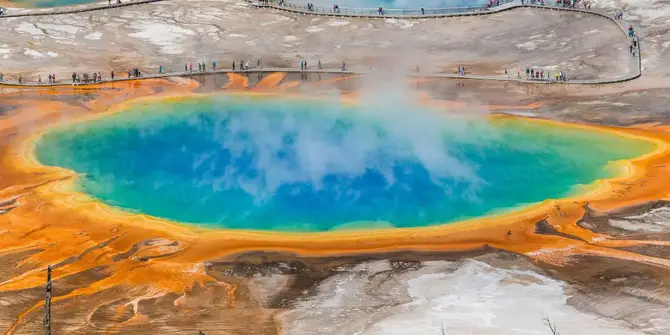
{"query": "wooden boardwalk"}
[(634, 68)]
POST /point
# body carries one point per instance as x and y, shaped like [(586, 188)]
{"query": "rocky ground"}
[(171, 33)]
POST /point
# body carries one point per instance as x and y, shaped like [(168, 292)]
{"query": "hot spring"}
[(280, 164)]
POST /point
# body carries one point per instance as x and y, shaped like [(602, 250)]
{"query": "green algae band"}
[(291, 165)]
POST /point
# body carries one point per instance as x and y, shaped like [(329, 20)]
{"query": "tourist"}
[(74, 77), (95, 77), (233, 66), (204, 67), (112, 74), (190, 67), (241, 66), (39, 79), (423, 12), (344, 66), (214, 65), (160, 69), (380, 11), (318, 65), (185, 67), (20, 80)]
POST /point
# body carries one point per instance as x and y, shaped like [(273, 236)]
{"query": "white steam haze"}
[(387, 130)]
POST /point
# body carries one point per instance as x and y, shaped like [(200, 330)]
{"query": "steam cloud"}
[(271, 148)]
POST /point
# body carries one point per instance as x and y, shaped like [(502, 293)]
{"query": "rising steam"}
[(278, 143)]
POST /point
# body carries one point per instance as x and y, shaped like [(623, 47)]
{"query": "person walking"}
[(185, 67), (112, 74), (160, 69), (318, 65), (214, 65), (233, 66), (39, 79)]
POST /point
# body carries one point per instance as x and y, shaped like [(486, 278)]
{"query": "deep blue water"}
[(277, 164)]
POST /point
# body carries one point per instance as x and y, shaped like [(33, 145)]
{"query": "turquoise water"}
[(55, 3), (389, 4), (397, 4), (290, 165)]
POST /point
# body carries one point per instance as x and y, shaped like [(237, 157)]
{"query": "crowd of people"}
[(96, 77), (534, 74), (559, 3)]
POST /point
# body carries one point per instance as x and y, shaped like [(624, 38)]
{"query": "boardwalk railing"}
[(373, 11), (635, 64)]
